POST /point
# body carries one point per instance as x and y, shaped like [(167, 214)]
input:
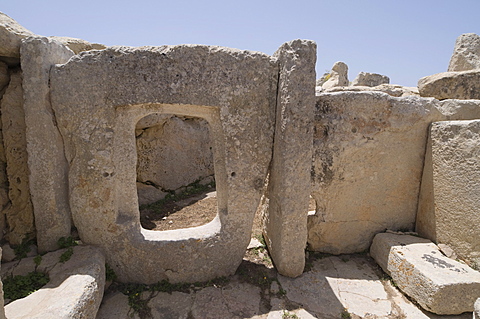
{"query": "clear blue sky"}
[(403, 39)]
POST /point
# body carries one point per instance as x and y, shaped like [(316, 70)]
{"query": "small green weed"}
[(288, 315), (345, 314), (110, 275), (23, 249), (37, 260), (66, 255), (66, 242), (17, 287)]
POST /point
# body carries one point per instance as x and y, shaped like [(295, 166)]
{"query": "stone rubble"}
[(338, 76)]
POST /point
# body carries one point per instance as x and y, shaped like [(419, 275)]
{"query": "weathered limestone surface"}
[(463, 85), (338, 76), (452, 110), (175, 153), (439, 284), (4, 80), (19, 214), (11, 35), (78, 45), (448, 207), (368, 158), (391, 89), (370, 79), (289, 181), (98, 98), (47, 163), (466, 54), (75, 289)]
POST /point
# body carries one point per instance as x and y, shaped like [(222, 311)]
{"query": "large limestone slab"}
[(47, 163), (75, 288), (98, 98), (463, 85), (11, 35), (368, 160), (289, 181), (450, 197), (466, 54), (19, 214), (439, 284), (174, 153)]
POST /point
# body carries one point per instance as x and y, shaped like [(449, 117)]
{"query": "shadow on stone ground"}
[(347, 286)]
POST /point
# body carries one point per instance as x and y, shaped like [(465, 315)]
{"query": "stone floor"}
[(347, 286)]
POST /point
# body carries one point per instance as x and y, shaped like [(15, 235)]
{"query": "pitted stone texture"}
[(370, 79), (338, 76), (175, 153), (368, 160), (78, 45), (11, 35), (450, 197), (463, 85), (98, 98), (391, 89), (19, 214), (75, 288), (289, 181), (466, 54), (439, 284), (47, 163)]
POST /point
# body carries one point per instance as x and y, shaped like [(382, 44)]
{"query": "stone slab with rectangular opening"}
[(98, 98)]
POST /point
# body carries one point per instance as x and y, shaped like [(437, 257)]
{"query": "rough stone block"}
[(466, 54), (476, 311), (19, 214), (11, 35), (47, 163), (289, 181), (370, 79), (75, 288), (464, 85), (368, 160), (450, 196), (439, 284), (99, 97), (337, 77)]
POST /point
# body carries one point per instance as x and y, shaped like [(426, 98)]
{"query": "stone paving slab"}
[(75, 288), (347, 286), (439, 284)]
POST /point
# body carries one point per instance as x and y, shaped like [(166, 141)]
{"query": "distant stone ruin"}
[(89, 132)]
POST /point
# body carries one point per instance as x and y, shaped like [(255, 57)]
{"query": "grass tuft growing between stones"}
[(69, 243), (23, 249), (19, 286)]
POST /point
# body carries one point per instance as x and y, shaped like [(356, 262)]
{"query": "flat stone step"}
[(439, 284), (75, 289)]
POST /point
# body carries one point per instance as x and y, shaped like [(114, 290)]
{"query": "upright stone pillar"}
[(47, 163), (289, 183)]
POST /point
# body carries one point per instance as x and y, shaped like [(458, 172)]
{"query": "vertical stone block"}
[(47, 162), (289, 182), (19, 215), (450, 199), (369, 151)]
